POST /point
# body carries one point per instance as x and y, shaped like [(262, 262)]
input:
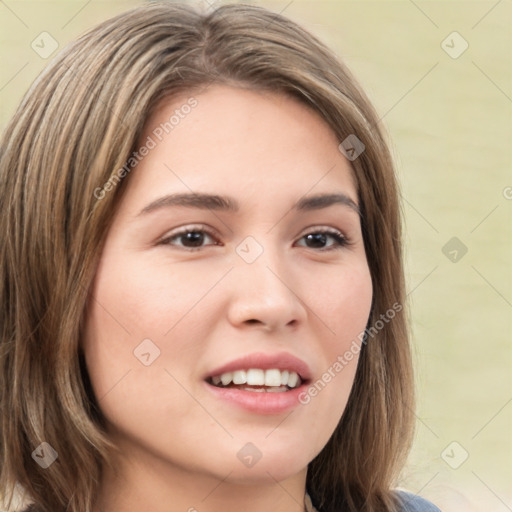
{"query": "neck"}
[(158, 486)]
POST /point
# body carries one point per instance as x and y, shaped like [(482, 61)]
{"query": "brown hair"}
[(77, 125)]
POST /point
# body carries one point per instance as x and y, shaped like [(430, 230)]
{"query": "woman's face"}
[(193, 290)]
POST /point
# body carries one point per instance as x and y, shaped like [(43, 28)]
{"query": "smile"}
[(260, 383), (258, 380)]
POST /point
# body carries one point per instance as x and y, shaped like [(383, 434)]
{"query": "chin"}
[(275, 463), (252, 464)]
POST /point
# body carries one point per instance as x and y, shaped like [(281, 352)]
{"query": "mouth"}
[(258, 380), (260, 383)]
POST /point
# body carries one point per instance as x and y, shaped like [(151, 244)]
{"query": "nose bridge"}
[(264, 290), (263, 262)]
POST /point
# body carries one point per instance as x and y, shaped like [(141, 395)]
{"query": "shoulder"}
[(411, 503)]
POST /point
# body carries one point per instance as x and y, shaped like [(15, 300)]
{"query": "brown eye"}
[(318, 239), (190, 238)]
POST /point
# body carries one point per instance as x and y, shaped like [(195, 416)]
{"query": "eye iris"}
[(194, 237), (319, 239)]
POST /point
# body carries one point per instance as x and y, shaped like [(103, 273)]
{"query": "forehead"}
[(241, 142)]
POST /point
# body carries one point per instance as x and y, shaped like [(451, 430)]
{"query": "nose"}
[(266, 296)]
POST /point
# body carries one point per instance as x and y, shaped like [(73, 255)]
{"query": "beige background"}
[(450, 120)]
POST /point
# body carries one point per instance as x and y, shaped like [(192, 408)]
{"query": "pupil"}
[(317, 237), (194, 237)]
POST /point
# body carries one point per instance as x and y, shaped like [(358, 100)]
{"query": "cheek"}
[(114, 325), (132, 300), (127, 352), (344, 303), (135, 310)]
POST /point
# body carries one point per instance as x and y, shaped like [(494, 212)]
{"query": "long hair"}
[(75, 128)]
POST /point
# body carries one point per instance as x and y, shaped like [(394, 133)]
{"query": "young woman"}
[(202, 292)]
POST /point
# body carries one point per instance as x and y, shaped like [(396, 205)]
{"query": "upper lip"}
[(279, 361)]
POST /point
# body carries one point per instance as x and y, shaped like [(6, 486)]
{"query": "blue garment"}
[(413, 503)]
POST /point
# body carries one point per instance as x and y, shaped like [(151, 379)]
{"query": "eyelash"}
[(341, 240)]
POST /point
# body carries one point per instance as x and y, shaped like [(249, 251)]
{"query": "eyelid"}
[(186, 229), (325, 229)]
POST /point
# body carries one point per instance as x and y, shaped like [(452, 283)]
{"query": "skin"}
[(203, 308)]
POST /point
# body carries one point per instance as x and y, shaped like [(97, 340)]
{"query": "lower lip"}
[(259, 402)]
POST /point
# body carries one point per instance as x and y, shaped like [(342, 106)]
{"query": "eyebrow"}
[(216, 202)]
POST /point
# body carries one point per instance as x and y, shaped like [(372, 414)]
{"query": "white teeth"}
[(239, 377), (280, 389), (293, 378), (255, 377), (226, 378), (273, 378)]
